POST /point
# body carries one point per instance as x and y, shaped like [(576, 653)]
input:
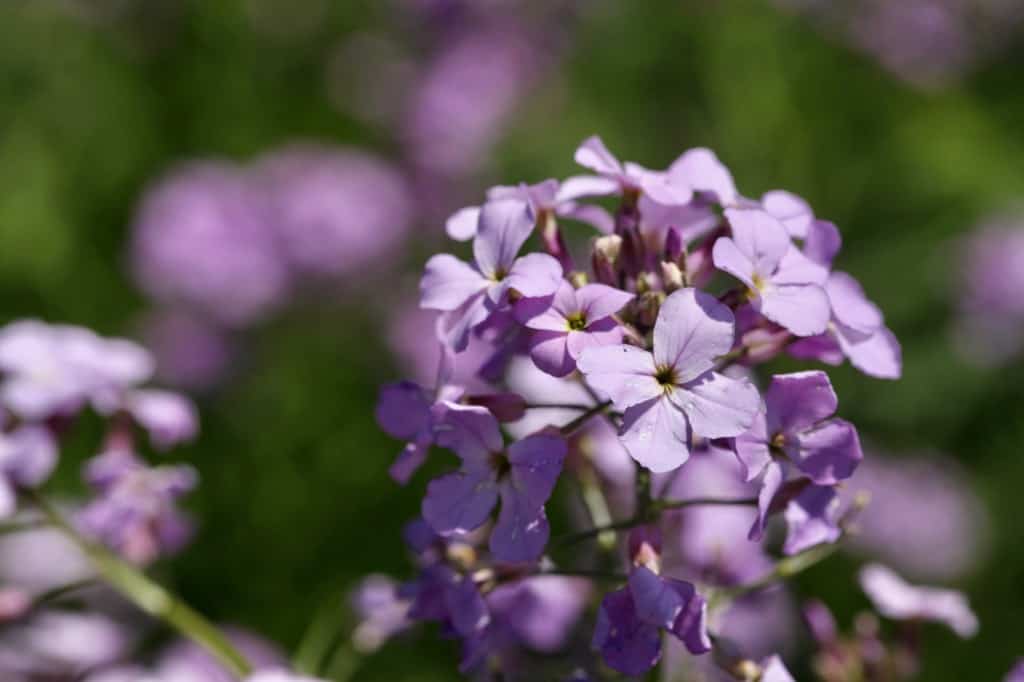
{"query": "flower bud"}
[(554, 242), (644, 546), (671, 277), (605, 259)]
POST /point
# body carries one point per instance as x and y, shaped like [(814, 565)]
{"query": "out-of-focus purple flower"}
[(990, 328), (470, 293), (203, 240), (629, 624), (797, 430), (383, 613), (60, 645), (1017, 674), (52, 369), (615, 177), (334, 211), (409, 326), (190, 352), (170, 418), (856, 331), (523, 476), (465, 94), (540, 611), (674, 392), (135, 510), (28, 455), (812, 518), (40, 559), (894, 598), (185, 661), (577, 319), (784, 285), (924, 519)]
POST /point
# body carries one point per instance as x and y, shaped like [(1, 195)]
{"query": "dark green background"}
[(295, 500)]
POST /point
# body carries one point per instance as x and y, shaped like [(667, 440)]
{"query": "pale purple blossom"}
[(577, 319), (61, 645), (469, 293), (674, 392), (783, 284), (382, 611), (28, 455), (190, 352), (616, 177), (894, 598), (1017, 674), (170, 418)]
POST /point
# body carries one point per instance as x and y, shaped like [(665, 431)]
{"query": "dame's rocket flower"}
[(796, 430), (856, 330), (469, 293), (895, 598), (522, 476), (783, 284), (577, 319), (629, 624), (673, 393), (28, 455), (614, 177)]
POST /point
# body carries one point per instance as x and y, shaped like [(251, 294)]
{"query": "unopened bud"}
[(644, 546), (605, 259), (671, 277), (675, 247), (647, 306), (554, 242)]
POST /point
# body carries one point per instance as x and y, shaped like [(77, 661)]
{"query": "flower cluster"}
[(51, 374), (625, 364)]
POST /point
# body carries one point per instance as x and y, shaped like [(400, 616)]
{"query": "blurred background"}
[(250, 187)]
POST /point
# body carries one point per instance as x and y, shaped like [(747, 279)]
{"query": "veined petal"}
[(623, 373), (760, 237), (802, 308), (598, 301), (535, 275), (828, 453), (448, 283), (718, 406), (656, 435), (692, 331), (504, 226), (752, 448), (459, 502), (798, 400), (536, 464), (522, 530), (691, 626), (726, 256)]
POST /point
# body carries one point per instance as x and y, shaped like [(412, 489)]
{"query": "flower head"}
[(673, 393)]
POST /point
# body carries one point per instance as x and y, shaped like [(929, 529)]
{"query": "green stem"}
[(785, 568), (149, 596), (570, 428)]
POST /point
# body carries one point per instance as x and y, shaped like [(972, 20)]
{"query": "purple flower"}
[(541, 611), (673, 393), (28, 455), (1017, 674), (895, 598), (334, 211), (382, 611), (405, 411), (190, 352), (795, 214), (60, 645), (577, 319), (469, 293), (629, 624), (185, 660), (614, 177), (812, 518), (795, 430), (925, 520), (543, 198), (856, 330), (170, 418), (134, 512), (783, 284), (523, 476), (203, 240), (700, 169)]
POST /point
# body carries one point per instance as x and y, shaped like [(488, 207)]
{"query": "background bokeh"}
[(100, 98)]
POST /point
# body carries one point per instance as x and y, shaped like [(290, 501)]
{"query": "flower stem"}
[(570, 428), (655, 507), (582, 407), (149, 596), (784, 568)]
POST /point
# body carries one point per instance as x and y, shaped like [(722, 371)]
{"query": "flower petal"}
[(580, 186), (727, 257), (878, 355), (792, 211), (702, 171), (504, 226), (459, 502), (550, 352), (796, 268), (692, 331), (448, 283), (849, 304), (522, 530), (598, 301), (594, 155), (718, 406), (403, 409), (626, 643), (461, 225), (760, 237), (535, 275), (812, 519), (828, 453), (654, 599), (536, 463), (802, 309), (470, 431), (799, 400), (656, 435), (623, 373)]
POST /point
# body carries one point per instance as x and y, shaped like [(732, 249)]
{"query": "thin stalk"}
[(665, 505), (570, 428), (149, 596), (582, 407), (784, 568)]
